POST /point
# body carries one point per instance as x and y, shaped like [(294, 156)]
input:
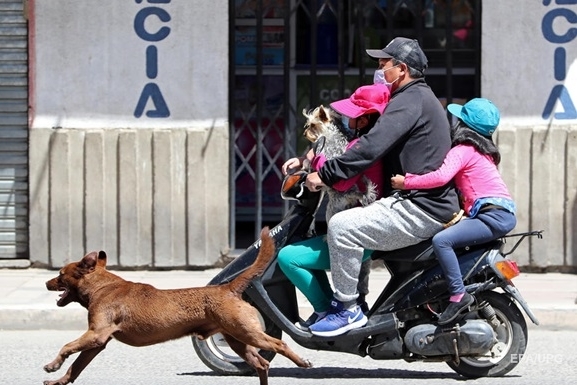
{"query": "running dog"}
[(138, 314)]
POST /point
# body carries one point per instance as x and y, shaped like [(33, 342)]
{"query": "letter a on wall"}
[(560, 93), (152, 92)]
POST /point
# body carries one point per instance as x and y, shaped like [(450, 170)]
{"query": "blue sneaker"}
[(315, 317), (339, 321)]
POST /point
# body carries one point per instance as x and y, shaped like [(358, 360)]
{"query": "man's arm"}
[(391, 127)]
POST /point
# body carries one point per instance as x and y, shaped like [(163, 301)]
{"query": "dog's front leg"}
[(77, 366), (89, 340)]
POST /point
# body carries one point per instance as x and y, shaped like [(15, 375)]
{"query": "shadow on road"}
[(340, 372)]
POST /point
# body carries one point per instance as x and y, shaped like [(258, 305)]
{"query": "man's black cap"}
[(402, 49)]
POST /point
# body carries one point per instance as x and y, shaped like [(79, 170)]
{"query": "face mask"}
[(379, 77), (349, 132), (387, 84)]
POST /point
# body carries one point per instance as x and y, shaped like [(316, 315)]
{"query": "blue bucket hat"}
[(480, 114)]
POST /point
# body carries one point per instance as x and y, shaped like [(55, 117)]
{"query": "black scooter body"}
[(416, 278), (402, 323)]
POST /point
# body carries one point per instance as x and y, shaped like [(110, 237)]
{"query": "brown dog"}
[(139, 314)]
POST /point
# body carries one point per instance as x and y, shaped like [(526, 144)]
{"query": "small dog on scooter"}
[(329, 138), (138, 314)]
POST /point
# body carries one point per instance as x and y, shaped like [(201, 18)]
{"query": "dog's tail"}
[(266, 252)]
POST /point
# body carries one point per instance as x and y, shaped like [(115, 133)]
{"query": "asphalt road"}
[(551, 358)]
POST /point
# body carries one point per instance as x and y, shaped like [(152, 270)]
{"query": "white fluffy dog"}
[(324, 129)]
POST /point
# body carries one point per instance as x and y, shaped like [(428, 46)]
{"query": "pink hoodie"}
[(476, 176)]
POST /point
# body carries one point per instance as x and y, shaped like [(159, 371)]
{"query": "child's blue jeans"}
[(485, 227)]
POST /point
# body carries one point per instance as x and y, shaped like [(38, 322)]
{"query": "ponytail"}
[(462, 134)]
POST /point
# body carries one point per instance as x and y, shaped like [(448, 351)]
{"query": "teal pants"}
[(305, 264)]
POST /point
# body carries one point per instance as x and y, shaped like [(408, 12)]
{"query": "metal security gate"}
[(13, 130), (290, 55)]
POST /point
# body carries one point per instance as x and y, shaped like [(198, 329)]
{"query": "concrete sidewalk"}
[(26, 304)]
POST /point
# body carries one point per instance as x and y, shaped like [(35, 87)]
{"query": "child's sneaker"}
[(315, 317), (455, 308), (339, 321)]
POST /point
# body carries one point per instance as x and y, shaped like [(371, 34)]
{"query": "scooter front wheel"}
[(215, 353), (511, 334)]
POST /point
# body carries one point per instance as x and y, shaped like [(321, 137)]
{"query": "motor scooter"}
[(484, 341)]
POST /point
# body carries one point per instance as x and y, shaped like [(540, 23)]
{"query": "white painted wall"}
[(90, 64), (518, 72), (147, 190), (529, 49)]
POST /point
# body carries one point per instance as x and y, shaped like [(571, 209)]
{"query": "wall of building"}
[(129, 135), (128, 131), (529, 70)]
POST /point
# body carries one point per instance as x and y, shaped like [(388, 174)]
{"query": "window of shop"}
[(290, 55)]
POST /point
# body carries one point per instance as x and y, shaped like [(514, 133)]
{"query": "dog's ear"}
[(323, 114), (89, 261), (101, 258)]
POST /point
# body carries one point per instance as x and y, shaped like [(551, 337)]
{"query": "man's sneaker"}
[(455, 308), (315, 317), (340, 321)]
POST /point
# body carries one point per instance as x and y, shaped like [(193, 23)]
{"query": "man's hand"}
[(314, 182), (292, 164), (398, 182)]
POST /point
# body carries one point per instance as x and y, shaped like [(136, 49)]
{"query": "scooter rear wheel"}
[(215, 353), (512, 341)]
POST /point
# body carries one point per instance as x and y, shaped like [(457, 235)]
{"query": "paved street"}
[(550, 355), (33, 329)]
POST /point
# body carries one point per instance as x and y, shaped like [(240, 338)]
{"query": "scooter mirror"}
[(319, 145)]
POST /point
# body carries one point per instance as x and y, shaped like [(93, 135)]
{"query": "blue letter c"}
[(140, 18)]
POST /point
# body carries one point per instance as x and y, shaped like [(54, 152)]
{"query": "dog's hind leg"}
[(263, 341), (251, 356), (84, 358), (243, 325)]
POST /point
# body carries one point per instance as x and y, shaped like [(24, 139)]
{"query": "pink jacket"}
[(475, 174), (374, 173)]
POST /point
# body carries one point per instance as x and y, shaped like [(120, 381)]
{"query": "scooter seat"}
[(422, 251)]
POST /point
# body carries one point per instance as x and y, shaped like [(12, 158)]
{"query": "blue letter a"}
[(152, 91), (559, 92)]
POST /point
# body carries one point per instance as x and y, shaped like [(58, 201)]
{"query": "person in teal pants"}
[(305, 263)]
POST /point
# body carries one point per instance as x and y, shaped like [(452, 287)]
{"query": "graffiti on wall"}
[(151, 91), (559, 94)]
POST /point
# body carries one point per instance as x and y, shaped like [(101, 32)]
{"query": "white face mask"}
[(379, 77), (389, 85)]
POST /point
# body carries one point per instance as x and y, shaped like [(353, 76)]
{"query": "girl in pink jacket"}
[(490, 211)]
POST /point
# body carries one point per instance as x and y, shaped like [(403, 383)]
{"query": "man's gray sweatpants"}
[(387, 224)]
